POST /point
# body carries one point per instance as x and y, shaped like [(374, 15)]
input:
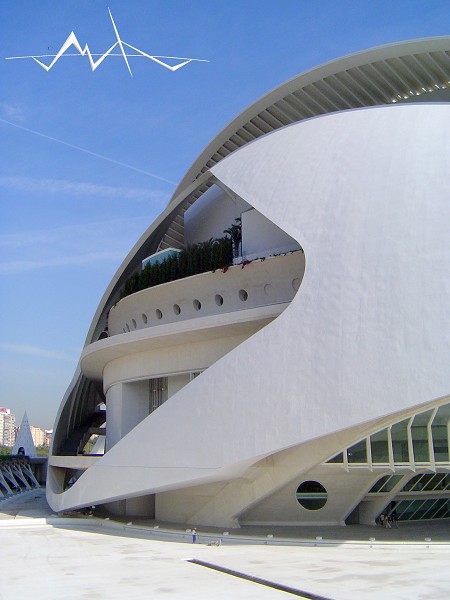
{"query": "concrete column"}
[(127, 404)]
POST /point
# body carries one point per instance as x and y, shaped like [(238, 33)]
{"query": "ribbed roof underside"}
[(420, 69)]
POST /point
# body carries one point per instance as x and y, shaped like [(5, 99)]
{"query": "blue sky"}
[(68, 216)]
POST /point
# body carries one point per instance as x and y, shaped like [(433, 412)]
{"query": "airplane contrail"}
[(74, 147)]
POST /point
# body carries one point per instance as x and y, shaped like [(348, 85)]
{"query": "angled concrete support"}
[(29, 473), (4, 484), (18, 473)]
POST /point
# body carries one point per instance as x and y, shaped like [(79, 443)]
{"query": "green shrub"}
[(197, 258)]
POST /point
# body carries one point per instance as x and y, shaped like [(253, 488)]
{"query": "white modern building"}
[(7, 427), (309, 381)]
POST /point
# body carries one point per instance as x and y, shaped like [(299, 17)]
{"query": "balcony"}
[(237, 301), (271, 281)]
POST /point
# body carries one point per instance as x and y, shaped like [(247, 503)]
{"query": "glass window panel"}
[(425, 507), (421, 483), (446, 515), (391, 483), (440, 433), (339, 458), (414, 509), (440, 442), (419, 434), (442, 415), (421, 419), (379, 484), (400, 441), (380, 447), (411, 483), (442, 482), (434, 481), (401, 506), (410, 508), (438, 509), (358, 453), (443, 505), (432, 509)]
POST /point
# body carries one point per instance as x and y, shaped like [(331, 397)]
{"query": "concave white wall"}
[(260, 237), (211, 214)]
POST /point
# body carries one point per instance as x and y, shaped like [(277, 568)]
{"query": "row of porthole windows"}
[(243, 296), (218, 298)]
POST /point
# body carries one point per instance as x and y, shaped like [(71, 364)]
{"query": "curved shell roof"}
[(389, 74), (382, 75)]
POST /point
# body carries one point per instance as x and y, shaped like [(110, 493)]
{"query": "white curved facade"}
[(226, 390)]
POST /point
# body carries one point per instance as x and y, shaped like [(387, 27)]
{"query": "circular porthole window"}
[(144, 318), (134, 323), (176, 309), (311, 495), (158, 313), (243, 295), (127, 326), (197, 304), (219, 300)]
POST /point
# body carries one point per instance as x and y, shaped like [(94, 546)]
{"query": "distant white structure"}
[(48, 437), (39, 436), (24, 444), (7, 427), (309, 381)]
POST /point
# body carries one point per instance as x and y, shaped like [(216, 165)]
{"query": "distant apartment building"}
[(48, 436), (7, 427), (39, 436)]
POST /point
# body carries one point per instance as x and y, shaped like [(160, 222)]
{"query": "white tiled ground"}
[(62, 561)]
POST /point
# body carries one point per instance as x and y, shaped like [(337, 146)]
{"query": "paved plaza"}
[(45, 556)]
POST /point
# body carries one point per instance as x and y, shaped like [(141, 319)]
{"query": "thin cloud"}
[(86, 151), (88, 233), (83, 244), (35, 351), (76, 188), (90, 258), (12, 111)]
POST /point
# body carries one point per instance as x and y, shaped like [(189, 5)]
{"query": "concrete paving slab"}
[(52, 558)]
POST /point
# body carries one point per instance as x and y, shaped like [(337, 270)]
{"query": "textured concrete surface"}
[(72, 558)]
